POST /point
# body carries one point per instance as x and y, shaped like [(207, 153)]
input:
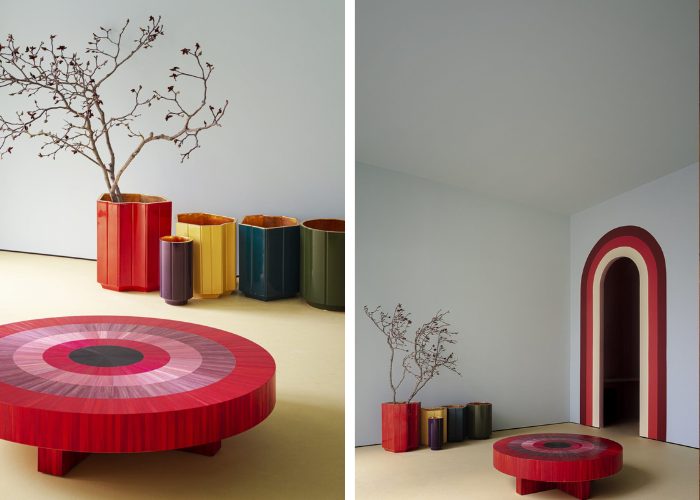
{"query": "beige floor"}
[(297, 452), (652, 470)]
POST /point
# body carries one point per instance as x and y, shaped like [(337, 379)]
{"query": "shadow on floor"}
[(623, 484)]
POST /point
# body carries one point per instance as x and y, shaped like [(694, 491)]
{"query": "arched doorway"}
[(640, 247), (620, 343)]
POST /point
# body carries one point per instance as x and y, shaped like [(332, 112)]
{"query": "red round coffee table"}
[(117, 384), (568, 462)]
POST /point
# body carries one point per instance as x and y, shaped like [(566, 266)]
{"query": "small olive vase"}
[(176, 269), (479, 420), (322, 279)]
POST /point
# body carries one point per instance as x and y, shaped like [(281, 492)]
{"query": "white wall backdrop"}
[(668, 209), (280, 149), (499, 267)]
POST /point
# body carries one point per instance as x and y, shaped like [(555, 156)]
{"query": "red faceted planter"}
[(400, 426), (568, 462), (128, 236), (117, 384)]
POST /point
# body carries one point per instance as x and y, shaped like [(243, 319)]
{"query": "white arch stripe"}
[(598, 280)]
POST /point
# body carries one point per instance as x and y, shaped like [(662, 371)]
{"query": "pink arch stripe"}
[(644, 243)]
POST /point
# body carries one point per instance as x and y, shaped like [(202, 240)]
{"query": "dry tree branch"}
[(394, 329), (428, 354), (72, 86)]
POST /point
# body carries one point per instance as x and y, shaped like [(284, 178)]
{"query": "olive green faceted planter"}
[(479, 420), (268, 257), (322, 277)]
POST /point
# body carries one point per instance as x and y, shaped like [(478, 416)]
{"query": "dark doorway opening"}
[(621, 343)]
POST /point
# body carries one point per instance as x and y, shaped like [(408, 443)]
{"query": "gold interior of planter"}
[(135, 198), (176, 239), (334, 225), (454, 406), (202, 219), (269, 221), (434, 408), (434, 418), (479, 403)]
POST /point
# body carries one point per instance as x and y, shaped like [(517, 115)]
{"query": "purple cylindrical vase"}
[(435, 432), (176, 269)]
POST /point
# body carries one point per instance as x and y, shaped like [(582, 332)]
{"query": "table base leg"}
[(59, 462), (580, 490), (209, 449), (526, 486)]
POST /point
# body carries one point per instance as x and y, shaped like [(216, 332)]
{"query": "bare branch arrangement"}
[(394, 328), (70, 87), (428, 353)]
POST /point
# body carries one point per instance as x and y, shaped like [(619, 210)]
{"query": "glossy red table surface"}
[(564, 461), (116, 384)]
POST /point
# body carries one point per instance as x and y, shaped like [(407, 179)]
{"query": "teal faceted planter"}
[(456, 423), (268, 257), (322, 282)]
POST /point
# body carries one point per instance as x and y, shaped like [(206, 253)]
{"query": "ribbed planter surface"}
[(214, 252), (127, 241), (456, 423), (322, 282), (400, 426), (268, 253), (479, 420), (176, 269), (426, 413), (435, 431)]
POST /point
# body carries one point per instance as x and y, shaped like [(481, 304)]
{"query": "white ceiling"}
[(559, 104)]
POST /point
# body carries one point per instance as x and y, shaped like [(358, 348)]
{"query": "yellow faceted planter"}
[(426, 413), (214, 252)]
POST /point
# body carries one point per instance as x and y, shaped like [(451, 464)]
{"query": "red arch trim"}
[(643, 242)]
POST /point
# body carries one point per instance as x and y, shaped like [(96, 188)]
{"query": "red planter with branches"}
[(400, 426), (128, 235), (424, 356), (59, 83)]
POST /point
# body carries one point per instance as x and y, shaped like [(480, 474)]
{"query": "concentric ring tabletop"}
[(128, 384), (557, 457)]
